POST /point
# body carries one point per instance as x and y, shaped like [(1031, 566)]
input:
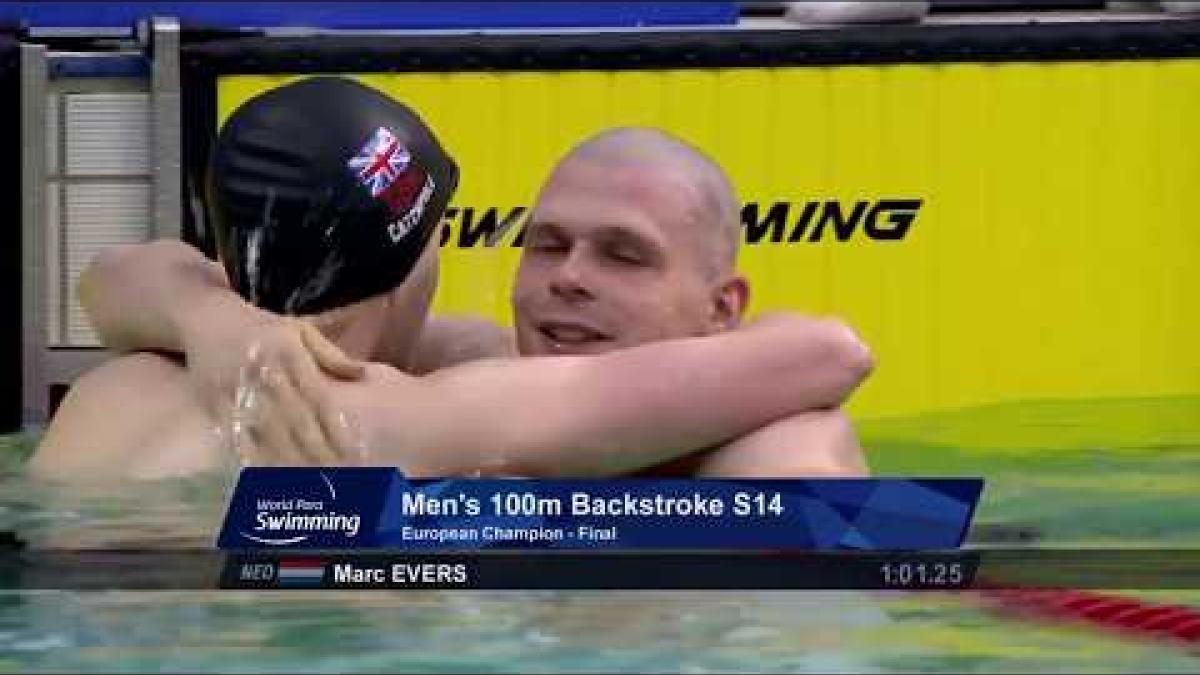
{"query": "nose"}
[(569, 278)]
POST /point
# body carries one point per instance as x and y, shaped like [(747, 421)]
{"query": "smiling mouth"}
[(570, 334)]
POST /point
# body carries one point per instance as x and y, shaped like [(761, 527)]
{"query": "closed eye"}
[(544, 246), (545, 240), (626, 255)]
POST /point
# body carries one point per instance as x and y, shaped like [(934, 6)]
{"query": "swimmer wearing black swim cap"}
[(324, 192)]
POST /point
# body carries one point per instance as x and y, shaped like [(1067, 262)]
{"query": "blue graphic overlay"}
[(306, 508), (378, 508)]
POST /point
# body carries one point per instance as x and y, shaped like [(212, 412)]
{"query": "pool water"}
[(1099, 473)]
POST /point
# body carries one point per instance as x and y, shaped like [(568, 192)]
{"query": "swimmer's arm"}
[(609, 414), (166, 297), (146, 297), (811, 444)]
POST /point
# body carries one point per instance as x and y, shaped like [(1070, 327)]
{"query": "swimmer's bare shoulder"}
[(450, 340), (135, 416)]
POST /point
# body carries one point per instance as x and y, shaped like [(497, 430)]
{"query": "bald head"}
[(712, 201), (631, 240)]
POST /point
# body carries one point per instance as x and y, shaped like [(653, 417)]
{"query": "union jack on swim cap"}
[(324, 192)]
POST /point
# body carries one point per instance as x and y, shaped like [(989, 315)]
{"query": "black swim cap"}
[(324, 192)]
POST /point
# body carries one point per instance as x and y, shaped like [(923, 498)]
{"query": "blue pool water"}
[(1140, 490)]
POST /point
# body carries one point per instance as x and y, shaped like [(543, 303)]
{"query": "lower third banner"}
[(604, 571), (378, 508), (1019, 568)]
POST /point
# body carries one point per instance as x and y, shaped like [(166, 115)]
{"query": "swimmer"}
[(324, 195)]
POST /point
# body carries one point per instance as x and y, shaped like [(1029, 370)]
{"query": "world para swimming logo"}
[(295, 519)]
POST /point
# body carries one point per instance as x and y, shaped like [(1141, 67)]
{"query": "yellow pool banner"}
[(998, 232)]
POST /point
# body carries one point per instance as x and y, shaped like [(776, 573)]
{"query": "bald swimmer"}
[(633, 239)]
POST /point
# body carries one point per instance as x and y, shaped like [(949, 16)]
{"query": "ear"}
[(729, 303)]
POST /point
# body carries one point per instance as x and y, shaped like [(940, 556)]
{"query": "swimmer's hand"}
[(216, 335), (239, 356), (284, 414)]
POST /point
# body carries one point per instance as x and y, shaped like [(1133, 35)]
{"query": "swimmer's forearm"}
[(140, 297), (818, 443), (661, 401), (838, 358), (613, 414)]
